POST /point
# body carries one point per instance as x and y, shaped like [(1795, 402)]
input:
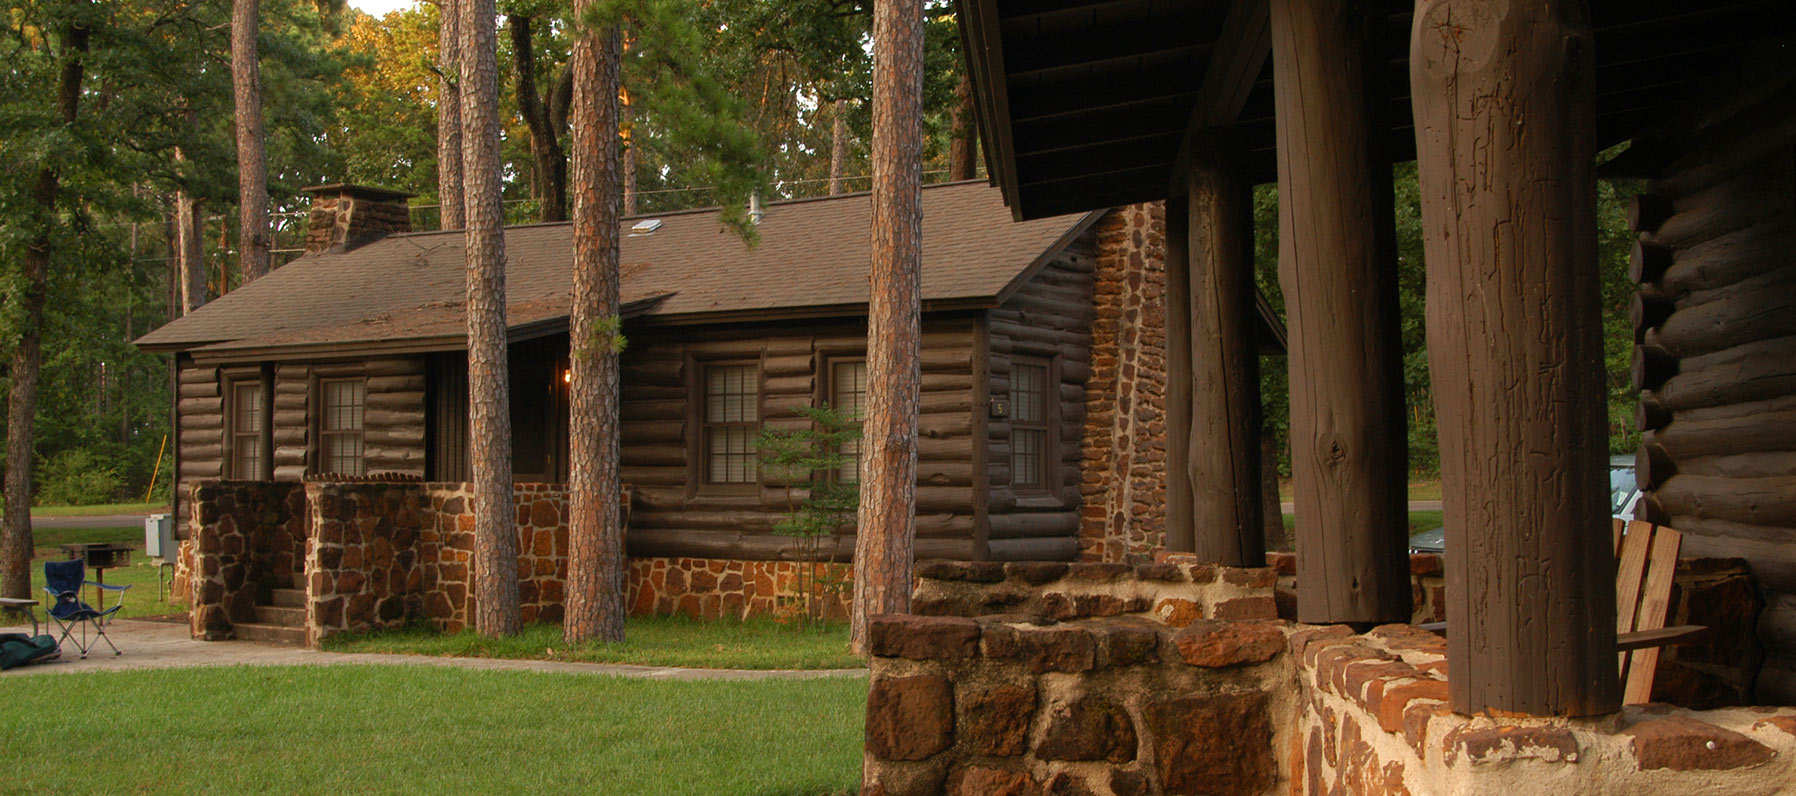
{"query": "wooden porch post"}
[(1337, 268), (1223, 453), (1179, 528), (1505, 134)]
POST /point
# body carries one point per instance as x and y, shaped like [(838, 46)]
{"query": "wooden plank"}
[(1243, 46), (1629, 574), (1654, 605), (1180, 529), (1337, 267), (1662, 637)]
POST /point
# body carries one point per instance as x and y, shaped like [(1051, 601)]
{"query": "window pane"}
[(247, 464), (1028, 392), (248, 403), (343, 405), (850, 389), (1025, 456)]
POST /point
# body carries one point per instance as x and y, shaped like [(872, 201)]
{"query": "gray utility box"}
[(159, 536)]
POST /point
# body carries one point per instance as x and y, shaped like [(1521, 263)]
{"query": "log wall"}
[(1715, 323), (1049, 318), (674, 514), (393, 438)]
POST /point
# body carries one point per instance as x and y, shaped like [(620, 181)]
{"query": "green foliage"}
[(77, 477), (1613, 242), (809, 461)]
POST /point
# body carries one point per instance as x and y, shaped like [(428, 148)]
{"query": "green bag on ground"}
[(18, 649)]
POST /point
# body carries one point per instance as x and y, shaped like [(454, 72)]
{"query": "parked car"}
[(1624, 495)]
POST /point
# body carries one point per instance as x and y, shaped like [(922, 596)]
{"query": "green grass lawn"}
[(140, 576), (426, 730), (648, 640)]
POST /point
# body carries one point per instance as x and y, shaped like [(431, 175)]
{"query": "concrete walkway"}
[(92, 521), (1414, 505), (161, 645)]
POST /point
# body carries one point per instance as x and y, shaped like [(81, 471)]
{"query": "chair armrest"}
[(1663, 637), (109, 587)]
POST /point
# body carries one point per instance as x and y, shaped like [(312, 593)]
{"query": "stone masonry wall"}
[(1124, 451), (712, 588), (1014, 704), (248, 538), (364, 568), (1175, 594)]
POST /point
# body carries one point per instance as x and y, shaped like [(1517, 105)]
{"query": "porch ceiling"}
[(1085, 104)]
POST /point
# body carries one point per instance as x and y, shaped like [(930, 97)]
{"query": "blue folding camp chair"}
[(63, 581)]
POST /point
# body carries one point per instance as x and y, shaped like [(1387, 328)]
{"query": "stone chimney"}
[(345, 216)]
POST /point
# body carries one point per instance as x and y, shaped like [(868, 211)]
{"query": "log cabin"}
[(1041, 378)]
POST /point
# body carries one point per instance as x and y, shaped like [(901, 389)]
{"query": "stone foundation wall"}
[(1122, 483), (1373, 720), (1172, 592), (1018, 705), (365, 568), (713, 588), (248, 538)]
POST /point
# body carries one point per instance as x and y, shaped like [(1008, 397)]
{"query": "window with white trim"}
[(732, 419)]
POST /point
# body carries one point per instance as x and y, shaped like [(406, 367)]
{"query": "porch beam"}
[(1337, 269), (1223, 444), (1235, 65), (1506, 151)]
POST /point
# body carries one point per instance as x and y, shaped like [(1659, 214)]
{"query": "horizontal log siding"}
[(199, 407), (674, 514), (292, 430), (393, 419), (1048, 318), (1716, 360)]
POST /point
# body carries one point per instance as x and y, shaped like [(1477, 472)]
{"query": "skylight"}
[(645, 226)]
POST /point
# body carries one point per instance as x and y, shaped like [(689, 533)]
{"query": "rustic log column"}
[(1505, 135), (1349, 457), (1223, 458), (1179, 530)]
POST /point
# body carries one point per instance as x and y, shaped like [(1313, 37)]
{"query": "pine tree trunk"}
[(595, 576), (883, 544), (548, 169), (452, 207), (190, 262), (963, 142), (27, 359), (252, 159), (489, 405), (838, 145)]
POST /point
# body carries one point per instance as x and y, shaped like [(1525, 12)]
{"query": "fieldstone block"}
[(922, 637), (1067, 783), (1169, 573), (1395, 699), (1127, 641), (1088, 728), (1056, 649), (1215, 644), (1681, 743), (1261, 607), (962, 571), (909, 718), (995, 721), (1178, 611), (1099, 571), (991, 781), (1218, 744), (1128, 783), (1251, 577), (1035, 573)]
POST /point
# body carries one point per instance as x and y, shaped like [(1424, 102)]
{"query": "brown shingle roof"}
[(812, 259)]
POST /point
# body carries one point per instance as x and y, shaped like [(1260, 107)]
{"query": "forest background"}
[(349, 97)]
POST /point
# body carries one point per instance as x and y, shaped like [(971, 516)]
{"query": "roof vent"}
[(645, 226)]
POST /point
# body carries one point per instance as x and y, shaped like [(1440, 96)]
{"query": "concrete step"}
[(250, 631), (289, 598), (281, 615)]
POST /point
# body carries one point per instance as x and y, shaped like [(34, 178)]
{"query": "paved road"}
[(101, 521), (163, 645), (1414, 505)]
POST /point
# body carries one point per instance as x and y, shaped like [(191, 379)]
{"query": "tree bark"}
[(548, 169), (883, 545), (838, 145), (1506, 134), (451, 203), (190, 260), (1224, 451), (489, 404), (252, 158), (27, 359), (595, 579), (1337, 266), (963, 141)]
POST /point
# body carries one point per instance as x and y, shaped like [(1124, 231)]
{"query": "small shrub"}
[(77, 478)]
